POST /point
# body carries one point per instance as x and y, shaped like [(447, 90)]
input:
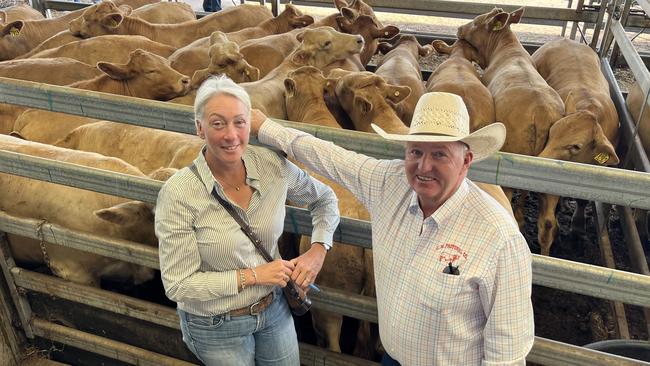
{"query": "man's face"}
[(435, 170)]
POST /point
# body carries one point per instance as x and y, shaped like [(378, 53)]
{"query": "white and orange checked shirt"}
[(484, 316)]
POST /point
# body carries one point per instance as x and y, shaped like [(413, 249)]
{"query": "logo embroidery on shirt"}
[(450, 253)]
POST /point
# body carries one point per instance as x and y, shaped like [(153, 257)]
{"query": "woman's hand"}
[(308, 265), (277, 272), (257, 120)]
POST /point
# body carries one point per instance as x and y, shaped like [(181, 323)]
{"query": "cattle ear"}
[(386, 32), (569, 104), (362, 104), (300, 36), (114, 71), (425, 50), (217, 36), (162, 174), (300, 57), (329, 86), (290, 87), (441, 47), (113, 20), (515, 16), (199, 77), (349, 14), (498, 22), (341, 4), (127, 213), (12, 28), (604, 152), (126, 9), (17, 134), (397, 93), (3, 16)]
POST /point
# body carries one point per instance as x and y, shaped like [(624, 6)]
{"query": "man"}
[(453, 271)]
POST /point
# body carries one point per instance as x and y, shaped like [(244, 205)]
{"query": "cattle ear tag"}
[(496, 26), (113, 23), (397, 94), (247, 72), (327, 83), (601, 158), (386, 34), (14, 31)]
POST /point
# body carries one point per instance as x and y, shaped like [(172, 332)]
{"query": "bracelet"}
[(242, 279), (254, 275)]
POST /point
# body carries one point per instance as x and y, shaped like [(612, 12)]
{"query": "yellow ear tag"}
[(386, 34), (497, 26), (327, 83), (397, 94), (247, 72), (14, 31), (113, 23), (601, 158)]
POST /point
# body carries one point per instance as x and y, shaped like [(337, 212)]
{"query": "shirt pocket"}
[(441, 291)]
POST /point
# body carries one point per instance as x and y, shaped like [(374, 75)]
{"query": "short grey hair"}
[(216, 85)]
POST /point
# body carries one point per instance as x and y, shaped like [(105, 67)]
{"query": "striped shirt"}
[(484, 315), (201, 246)]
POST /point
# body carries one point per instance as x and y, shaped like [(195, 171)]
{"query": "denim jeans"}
[(212, 5), (268, 338), (388, 361)]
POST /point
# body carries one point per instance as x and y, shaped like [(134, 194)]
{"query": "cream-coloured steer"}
[(523, 101), (177, 35), (400, 66), (75, 209), (194, 56), (457, 75), (319, 47), (590, 127), (145, 76), (19, 12)]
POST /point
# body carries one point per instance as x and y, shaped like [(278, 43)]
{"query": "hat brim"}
[(482, 142)]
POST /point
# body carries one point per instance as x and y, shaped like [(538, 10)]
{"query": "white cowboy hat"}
[(443, 117)]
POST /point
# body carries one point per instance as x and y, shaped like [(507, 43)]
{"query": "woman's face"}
[(225, 128)]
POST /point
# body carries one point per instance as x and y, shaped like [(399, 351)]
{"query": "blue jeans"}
[(212, 5), (388, 361), (268, 338)]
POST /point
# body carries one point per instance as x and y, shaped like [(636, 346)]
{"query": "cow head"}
[(226, 59), (483, 30), (578, 137), (100, 19), (292, 18), (148, 76), (368, 98), (359, 7), (460, 48), (13, 40), (368, 28), (323, 45)]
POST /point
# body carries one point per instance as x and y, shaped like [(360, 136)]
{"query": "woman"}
[(229, 298)]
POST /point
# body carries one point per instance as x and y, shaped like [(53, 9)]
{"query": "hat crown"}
[(440, 113)]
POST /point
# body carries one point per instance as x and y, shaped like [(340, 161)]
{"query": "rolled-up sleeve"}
[(178, 251), (319, 198)]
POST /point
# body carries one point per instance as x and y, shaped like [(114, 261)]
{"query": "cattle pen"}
[(23, 292)]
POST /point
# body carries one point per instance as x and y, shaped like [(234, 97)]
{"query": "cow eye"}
[(328, 43), (574, 148), (222, 65)]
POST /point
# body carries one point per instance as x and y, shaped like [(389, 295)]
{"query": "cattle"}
[(19, 37), (523, 101), (400, 66), (19, 12), (163, 149), (194, 56), (590, 128), (145, 76), (160, 13), (319, 47), (224, 58), (344, 267), (75, 209), (57, 71), (367, 27), (113, 48), (457, 75), (177, 35), (364, 96)]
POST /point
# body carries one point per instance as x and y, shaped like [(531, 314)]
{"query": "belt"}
[(254, 308)]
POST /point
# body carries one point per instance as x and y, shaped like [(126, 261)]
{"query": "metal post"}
[(599, 22), (19, 299), (574, 25)]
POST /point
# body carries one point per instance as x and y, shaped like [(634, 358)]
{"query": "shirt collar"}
[(448, 208), (252, 174)]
